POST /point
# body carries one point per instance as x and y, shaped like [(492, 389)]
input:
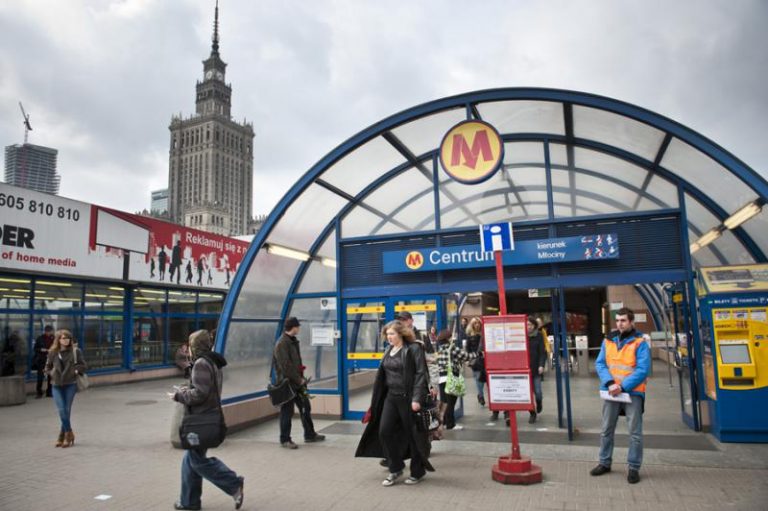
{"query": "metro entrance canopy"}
[(569, 158)]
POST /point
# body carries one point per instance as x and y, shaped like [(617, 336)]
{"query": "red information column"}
[(510, 389)]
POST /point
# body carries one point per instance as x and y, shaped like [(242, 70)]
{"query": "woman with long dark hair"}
[(65, 361), (400, 391), (475, 345)]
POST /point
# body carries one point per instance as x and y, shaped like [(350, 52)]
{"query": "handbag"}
[(204, 430), (81, 378), (454, 385), (281, 393)]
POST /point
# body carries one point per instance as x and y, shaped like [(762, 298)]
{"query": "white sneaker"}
[(458, 427), (391, 478), (413, 480)]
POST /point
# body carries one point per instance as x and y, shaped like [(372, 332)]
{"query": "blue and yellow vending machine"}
[(734, 332)]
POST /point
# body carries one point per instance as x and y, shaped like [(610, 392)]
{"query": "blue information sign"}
[(596, 247), (495, 237)]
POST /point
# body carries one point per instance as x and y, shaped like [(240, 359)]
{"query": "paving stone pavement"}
[(123, 450)]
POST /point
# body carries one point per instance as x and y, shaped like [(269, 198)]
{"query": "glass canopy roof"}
[(603, 157)]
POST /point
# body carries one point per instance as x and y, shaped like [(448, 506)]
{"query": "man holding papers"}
[(622, 366)]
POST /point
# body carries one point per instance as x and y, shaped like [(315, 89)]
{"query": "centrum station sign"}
[(596, 247)]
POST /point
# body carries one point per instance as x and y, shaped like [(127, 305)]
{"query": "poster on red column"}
[(506, 362), (42, 233)]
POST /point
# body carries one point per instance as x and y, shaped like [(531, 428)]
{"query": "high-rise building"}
[(32, 166), (159, 202), (210, 182)]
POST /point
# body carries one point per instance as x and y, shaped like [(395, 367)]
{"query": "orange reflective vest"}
[(622, 362)]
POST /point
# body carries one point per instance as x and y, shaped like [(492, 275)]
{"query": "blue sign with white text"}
[(495, 237), (595, 247)]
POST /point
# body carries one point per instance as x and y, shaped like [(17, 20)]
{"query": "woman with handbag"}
[(474, 345), (65, 363), (450, 361), (202, 396), (399, 392)]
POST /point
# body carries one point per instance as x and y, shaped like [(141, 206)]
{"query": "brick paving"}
[(123, 450)]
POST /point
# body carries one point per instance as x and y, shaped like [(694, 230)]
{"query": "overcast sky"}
[(102, 78)]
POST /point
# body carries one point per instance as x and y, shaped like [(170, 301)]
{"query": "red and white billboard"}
[(50, 234)]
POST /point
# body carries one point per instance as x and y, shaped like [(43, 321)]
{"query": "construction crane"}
[(27, 126)]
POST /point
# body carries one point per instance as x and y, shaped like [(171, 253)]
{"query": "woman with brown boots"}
[(65, 362)]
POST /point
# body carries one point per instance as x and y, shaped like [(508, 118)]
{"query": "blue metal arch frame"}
[(469, 101)]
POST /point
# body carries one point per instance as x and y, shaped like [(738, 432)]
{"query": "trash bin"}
[(12, 390)]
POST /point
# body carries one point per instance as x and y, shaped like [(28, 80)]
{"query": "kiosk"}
[(510, 389), (734, 331)]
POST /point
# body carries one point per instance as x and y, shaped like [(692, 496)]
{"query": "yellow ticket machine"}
[(734, 332)]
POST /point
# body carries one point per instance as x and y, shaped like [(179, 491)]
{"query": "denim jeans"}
[(63, 396), (286, 414), (480, 384), (194, 467), (536, 377), (634, 411)]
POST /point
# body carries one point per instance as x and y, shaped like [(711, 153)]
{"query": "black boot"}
[(539, 406), (532, 418)]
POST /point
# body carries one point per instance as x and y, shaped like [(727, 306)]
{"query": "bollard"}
[(12, 390)]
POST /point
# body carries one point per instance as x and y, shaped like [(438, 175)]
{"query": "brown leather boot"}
[(69, 439), (60, 440)]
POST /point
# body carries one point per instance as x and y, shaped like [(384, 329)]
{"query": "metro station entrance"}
[(362, 332)]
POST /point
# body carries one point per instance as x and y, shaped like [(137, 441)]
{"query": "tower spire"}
[(215, 46)]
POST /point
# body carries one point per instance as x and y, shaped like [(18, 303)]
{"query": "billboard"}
[(41, 233)]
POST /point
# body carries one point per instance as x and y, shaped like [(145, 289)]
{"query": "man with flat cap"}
[(287, 361)]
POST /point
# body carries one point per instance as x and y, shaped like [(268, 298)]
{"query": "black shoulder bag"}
[(204, 430), (282, 392)]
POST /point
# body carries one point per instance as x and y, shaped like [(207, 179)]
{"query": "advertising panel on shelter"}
[(44, 233)]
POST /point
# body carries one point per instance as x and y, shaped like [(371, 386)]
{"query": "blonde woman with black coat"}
[(65, 361)]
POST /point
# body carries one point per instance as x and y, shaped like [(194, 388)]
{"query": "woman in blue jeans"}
[(204, 394), (65, 361)]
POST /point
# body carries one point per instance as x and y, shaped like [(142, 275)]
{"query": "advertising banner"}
[(594, 247), (44, 233)]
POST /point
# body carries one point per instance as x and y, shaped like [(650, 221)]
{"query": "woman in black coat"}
[(400, 390)]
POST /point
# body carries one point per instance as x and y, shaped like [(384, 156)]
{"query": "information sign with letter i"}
[(510, 389)]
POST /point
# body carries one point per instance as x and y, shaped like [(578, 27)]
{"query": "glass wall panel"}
[(522, 116), (757, 228), (318, 278), (58, 295), (306, 217), (420, 213), (732, 249), (526, 153), (703, 256), (426, 133), (149, 300), (699, 217), (58, 322), (663, 190), (608, 189), (15, 344), (704, 173), (103, 298), (248, 351), (15, 293), (610, 166), (210, 303), (321, 361), (390, 195), (180, 328), (359, 222), (617, 130), (102, 341), (328, 248), (363, 165), (265, 287), (181, 302), (148, 340)]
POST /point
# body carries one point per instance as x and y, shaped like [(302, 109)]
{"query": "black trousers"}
[(449, 420), (40, 377), (305, 412), (395, 435)]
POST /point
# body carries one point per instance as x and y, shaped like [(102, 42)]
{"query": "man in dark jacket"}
[(287, 362), (537, 359), (41, 347)]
